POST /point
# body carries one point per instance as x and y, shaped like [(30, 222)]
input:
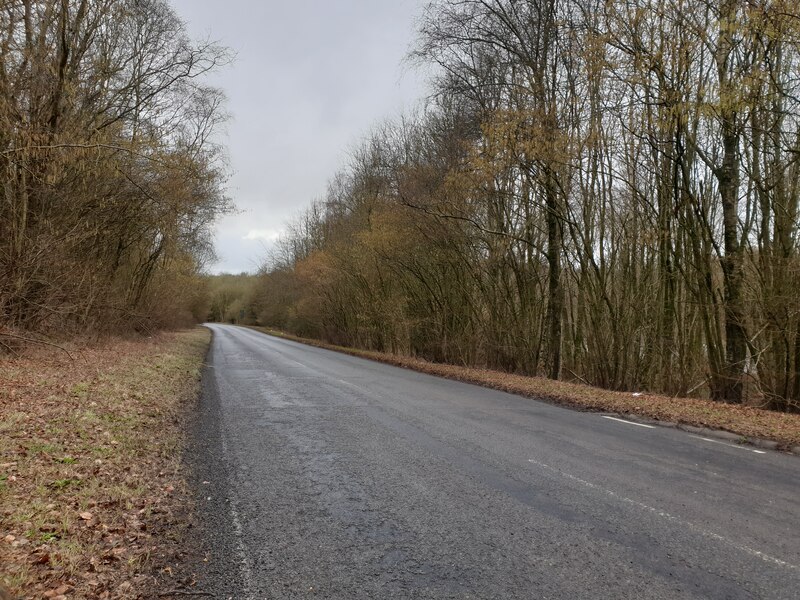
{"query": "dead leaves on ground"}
[(90, 482)]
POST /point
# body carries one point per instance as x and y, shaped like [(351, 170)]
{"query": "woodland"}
[(110, 175), (601, 191), (596, 204)]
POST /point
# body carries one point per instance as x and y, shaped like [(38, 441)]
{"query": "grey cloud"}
[(309, 80)]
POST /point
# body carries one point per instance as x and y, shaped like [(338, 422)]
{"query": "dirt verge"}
[(749, 423), (93, 498)]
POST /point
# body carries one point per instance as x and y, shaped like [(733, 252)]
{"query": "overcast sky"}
[(309, 80)]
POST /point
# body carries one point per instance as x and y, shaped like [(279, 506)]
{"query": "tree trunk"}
[(728, 177), (555, 304)]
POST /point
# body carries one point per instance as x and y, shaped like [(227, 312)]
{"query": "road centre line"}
[(628, 422), (705, 439), (668, 517)]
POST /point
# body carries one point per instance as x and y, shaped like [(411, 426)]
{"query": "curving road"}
[(320, 474)]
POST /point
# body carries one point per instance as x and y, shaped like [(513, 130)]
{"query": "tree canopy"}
[(110, 172), (604, 191)]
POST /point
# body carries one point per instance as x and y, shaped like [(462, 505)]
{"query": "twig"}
[(571, 372), (9, 349), (694, 388), (19, 337)]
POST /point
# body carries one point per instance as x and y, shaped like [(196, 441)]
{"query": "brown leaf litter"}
[(92, 495)]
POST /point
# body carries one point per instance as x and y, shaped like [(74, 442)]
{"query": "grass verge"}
[(91, 485), (748, 422)]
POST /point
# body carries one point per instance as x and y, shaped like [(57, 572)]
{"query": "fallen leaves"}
[(82, 445), (58, 593), (40, 557)]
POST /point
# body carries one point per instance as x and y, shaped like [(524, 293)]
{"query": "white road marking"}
[(358, 387), (705, 439), (628, 422), (665, 515), (245, 564)]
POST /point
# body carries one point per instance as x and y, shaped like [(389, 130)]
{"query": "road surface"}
[(324, 475)]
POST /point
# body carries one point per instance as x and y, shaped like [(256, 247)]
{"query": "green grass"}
[(92, 435)]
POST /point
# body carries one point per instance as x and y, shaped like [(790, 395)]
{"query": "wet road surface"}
[(331, 476)]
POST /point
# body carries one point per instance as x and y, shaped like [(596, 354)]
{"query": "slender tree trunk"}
[(555, 304), (732, 269), (728, 178)]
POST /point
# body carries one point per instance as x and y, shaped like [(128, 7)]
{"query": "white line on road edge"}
[(628, 422), (705, 439), (245, 564), (665, 515)]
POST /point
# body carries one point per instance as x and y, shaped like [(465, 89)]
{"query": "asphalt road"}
[(320, 474)]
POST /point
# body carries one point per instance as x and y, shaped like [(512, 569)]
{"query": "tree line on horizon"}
[(602, 191), (110, 174)]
